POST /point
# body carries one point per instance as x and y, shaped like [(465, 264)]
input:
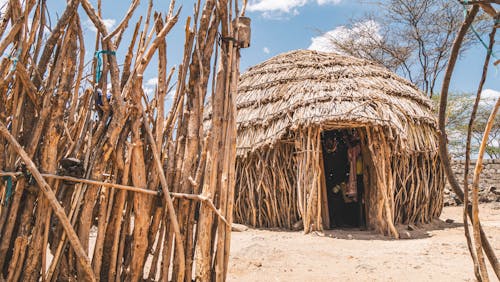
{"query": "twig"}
[(124, 22), (203, 199)]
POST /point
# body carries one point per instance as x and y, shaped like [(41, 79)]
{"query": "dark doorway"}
[(341, 154)]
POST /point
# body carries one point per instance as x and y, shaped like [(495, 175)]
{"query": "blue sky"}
[(277, 26)]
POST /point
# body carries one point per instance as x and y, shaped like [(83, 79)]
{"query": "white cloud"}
[(3, 9), (152, 81), (170, 96), (150, 86), (276, 8), (109, 23), (488, 97), (149, 91), (285, 6), (490, 94), (266, 50), (323, 2), (360, 34), (3, 6)]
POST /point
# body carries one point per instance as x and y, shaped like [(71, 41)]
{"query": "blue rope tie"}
[(98, 56), (8, 192), (14, 59), (477, 33)]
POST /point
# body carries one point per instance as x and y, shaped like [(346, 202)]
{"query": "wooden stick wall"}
[(309, 184), (278, 186), (267, 197), (55, 111)]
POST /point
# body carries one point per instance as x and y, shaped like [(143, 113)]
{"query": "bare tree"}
[(411, 37)]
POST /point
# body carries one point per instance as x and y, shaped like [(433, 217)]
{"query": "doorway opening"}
[(343, 169)]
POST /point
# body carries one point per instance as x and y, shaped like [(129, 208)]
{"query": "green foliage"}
[(458, 114)]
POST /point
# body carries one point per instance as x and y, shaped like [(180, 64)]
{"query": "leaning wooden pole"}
[(53, 202), (475, 196), (443, 146), (468, 148)]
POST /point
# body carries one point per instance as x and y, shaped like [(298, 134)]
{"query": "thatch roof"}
[(304, 88)]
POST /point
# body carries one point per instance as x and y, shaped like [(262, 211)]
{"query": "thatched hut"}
[(301, 117)]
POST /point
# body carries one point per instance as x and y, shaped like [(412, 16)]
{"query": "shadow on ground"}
[(412, 231), (420, 231)]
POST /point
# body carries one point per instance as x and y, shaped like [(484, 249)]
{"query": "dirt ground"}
[(436, 252)]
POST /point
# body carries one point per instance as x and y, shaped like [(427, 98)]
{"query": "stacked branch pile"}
[(120, 187)]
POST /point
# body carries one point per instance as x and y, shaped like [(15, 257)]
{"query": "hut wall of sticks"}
[(100, 180), (285, 105)]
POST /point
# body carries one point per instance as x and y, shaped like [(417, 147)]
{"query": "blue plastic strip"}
[(98, 56)]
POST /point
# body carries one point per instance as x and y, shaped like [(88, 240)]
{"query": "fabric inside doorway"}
[(341, 157)]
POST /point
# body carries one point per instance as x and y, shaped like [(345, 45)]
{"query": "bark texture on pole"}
[(480, 236), (81, 255), (123, 175)]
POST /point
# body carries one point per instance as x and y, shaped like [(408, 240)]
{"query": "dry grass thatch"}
[(304, 88)]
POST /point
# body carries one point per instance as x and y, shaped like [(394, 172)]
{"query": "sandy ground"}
[(436, 252)]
